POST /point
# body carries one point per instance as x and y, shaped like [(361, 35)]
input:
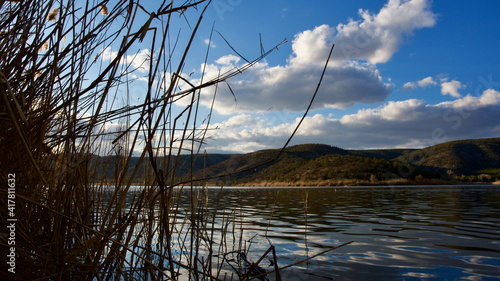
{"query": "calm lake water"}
[(399, 233)]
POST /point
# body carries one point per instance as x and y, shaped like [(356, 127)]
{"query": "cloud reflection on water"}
[(399, 232)]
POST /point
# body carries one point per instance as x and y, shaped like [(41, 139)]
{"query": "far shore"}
[(356, 182), (344, 182)]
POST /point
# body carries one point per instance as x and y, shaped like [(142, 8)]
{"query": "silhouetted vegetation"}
[(67, 72)]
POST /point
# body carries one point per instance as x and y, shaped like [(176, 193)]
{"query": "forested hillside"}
[(319, 164)]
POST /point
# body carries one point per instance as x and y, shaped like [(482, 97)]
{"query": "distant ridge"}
[(319, 164), (387, 154), (465, 157), (451, 162)]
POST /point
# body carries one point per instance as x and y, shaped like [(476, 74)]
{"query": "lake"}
[(399, 233)]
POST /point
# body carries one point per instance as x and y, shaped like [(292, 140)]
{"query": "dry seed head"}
[(104, 9), (63, 41), (52, 15), (44, 47)]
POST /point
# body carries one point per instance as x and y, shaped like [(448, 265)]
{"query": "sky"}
[(403, 74)]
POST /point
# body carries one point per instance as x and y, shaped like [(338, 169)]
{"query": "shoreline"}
[(339, 183), (350, 182)]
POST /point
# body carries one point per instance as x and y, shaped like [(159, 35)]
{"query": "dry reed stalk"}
[(272, 212), (77, 226), (58, 95)]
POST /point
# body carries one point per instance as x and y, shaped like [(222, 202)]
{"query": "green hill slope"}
[(291, 157), (465, 157), (106, 167), (466, 160), (316, 163), (312, 164), (387, 154)]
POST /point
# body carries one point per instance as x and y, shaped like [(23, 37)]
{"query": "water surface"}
[(399, 233)]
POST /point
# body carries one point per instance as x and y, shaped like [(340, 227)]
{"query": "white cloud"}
[(426, 82), (209, 43), (409, 123), (409, 86), (108, 54), (139, 60), (451, 88), (228, 60), (290, 87), (393, 111), (238, 121), (312, 46), (488, 98), (407, 110), (352, 76), (377, 37), (374, 37)]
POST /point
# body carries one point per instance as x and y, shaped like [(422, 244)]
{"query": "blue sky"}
[(403, 73)]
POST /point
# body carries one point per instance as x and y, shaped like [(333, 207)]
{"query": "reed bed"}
[(65, 73)]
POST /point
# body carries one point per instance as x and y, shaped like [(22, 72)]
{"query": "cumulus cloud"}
[(409, 123), (488, 98), (409, 86), (238, 121), (451, 88), (138, 61), (392, 111), (426, 82), (312, 46), (243, 133), (108, 54), (290, 88), (352, 76), (209, 43), (228, 60), (376, 37)]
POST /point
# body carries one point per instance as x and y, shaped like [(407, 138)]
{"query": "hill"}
[(105, 167), (311, 164), (464, 157), (387, 154), (319, 164)]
